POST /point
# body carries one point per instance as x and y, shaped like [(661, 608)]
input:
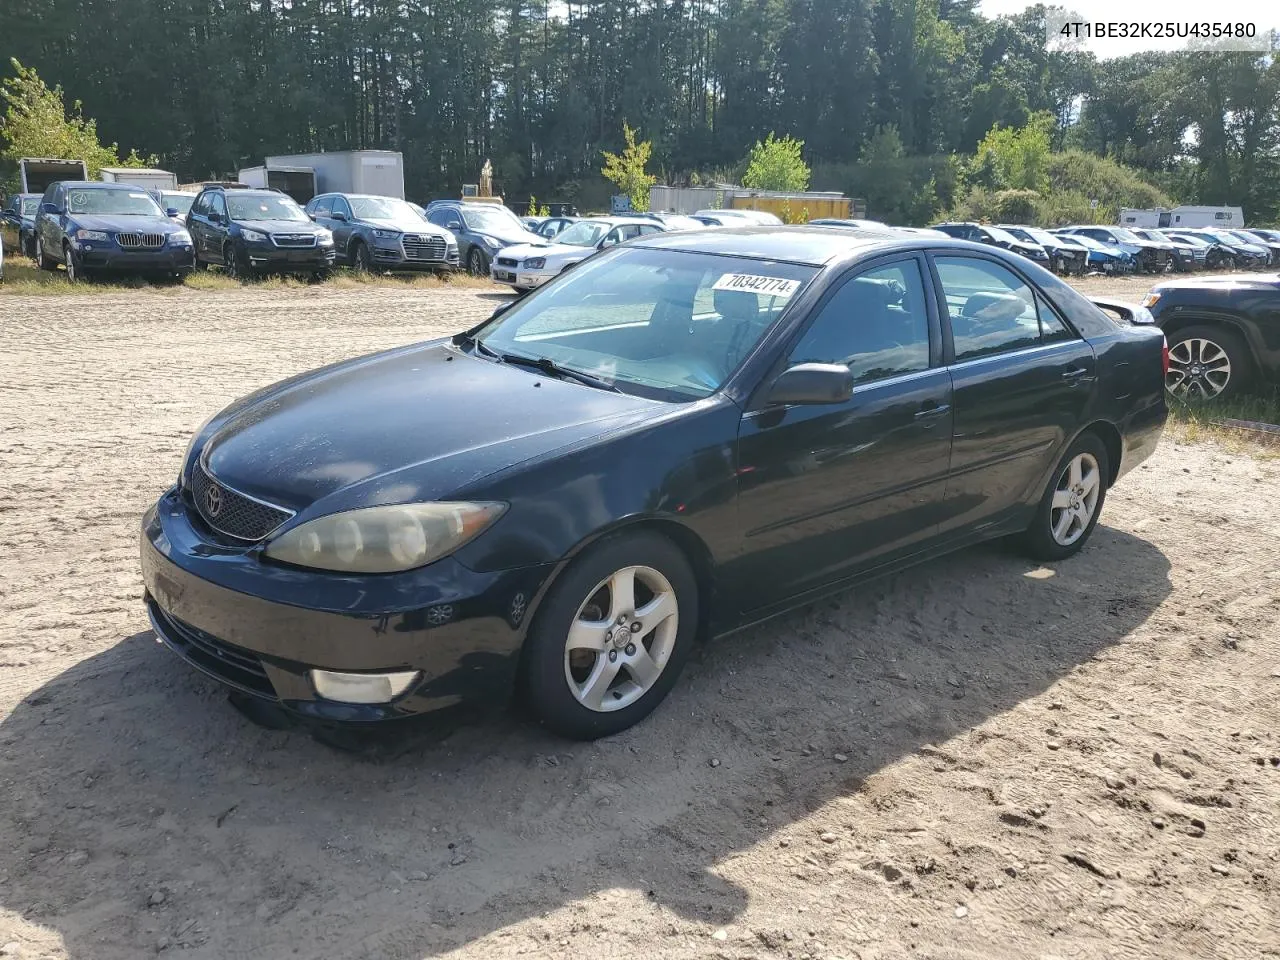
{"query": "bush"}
[(1015, 206)]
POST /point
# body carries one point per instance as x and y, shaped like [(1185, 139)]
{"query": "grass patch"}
[(1198, 422)]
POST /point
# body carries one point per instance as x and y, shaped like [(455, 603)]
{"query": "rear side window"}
[(991, 309)]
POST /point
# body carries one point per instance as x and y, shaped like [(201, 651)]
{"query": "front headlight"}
[(253, 236), (92, 235), (490, 242), (180, 237), (384, 539), (386, 234), (535, 263), (324, 238)]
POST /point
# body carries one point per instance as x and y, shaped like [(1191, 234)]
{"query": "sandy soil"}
[(975, 759)]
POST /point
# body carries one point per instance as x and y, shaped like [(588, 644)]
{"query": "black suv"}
[(251, 232)]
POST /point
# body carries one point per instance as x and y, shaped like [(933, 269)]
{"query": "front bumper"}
[(393, 257), (260, 627), (520, 278), (268, 257), (98, 255)]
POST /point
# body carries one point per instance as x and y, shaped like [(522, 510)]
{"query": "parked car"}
[(20, 213), (1251, 236), (551, 227), (93, 228), (1064, 258), (382, 233), (730, 217), (176, 204), (1271, 236), (922, 231), (1104, 256), (704, 440), (1246, 254), (1186, 256), (1210, 254), (482, 229), (529, 265), (251, 232), (1223, 334), (678, 221), (995, 237), (531, 223), (856, 224), (1148, 257)]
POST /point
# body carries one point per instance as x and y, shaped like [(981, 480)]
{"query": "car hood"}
[(279, 226), (406, 226), (507, 235), (1234, 282), (415, 423), (123, 224), (553, 252)]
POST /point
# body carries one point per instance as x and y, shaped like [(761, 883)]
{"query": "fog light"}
[(362, 687)]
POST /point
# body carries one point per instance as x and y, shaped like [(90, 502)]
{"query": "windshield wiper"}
[(550, 367), (469, 339)]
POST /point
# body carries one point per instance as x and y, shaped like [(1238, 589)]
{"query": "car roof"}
[(814, 246), (355, 196), (99, 185)]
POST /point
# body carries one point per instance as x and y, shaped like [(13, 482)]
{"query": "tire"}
[(320, 276), (45, 263), (231, 261), (360, 258), (612, 680), (1055, 534), (200, 266), (75, 272), (477, 263), (1207, 363)]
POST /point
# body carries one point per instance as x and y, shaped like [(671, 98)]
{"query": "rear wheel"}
[(611, 637), (1206, 363), (1072, 501)]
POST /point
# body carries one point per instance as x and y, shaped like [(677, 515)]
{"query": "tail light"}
[(1164, 357)]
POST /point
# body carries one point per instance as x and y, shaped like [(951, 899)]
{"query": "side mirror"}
[(502, 308), (50, 208), (812, 383), (312, 217), (171, 212), (337, 215)]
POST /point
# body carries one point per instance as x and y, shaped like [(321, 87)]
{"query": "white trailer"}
[(376, 172), (1190, 217), (149, 178), (298, 181), (37, 174)]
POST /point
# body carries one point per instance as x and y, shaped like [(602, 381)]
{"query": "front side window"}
[(218, 205), (992, 310), (671, 325), (322, 207), (264, 207), (876, 323)]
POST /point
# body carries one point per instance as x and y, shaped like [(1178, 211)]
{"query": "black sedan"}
[(1223, 333), (685, 434)]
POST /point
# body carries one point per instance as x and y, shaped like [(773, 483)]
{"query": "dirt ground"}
[(978, 758)]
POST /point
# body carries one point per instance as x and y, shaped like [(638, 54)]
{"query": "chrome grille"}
[(508, 262), (232, 513), (293, 239), (423, 246), (140, 240)]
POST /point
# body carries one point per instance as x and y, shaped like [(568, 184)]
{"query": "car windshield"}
[(382, 208), (1128, 236), (670, 325), (1002, 235), (1223, 237), (1041, 236), (675, 221), (177, 201), (127, 203), (30, 206), (584, 233), (1190, 238), (482, 217), (1091, 243), (260, 207)]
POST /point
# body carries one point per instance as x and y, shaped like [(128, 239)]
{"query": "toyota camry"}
[(685, 435)]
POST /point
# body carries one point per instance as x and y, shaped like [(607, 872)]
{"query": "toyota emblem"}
[(213, 500)]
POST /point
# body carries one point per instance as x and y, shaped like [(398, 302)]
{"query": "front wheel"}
[(1072, 502), (75, 272), (1206, 363), (477, 263), (611, 637), (44, 261), (361, 259), (233, 264)]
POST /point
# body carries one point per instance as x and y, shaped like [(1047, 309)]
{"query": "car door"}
[(321, 211), (340, 224), (53, 221), (1022, 381), (828, 490), (198, 226), (219, 227)]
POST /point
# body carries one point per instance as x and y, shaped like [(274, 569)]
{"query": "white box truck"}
[(297, 180), (149, 178), (376, 172), (37, 174)]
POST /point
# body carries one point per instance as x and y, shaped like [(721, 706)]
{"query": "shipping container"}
[(376, 172), (147, 177), (298, 181), (37, 174)]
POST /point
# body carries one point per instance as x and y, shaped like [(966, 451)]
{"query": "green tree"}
[(627, 170), (1017, 158), (36, 124), (777, 165)]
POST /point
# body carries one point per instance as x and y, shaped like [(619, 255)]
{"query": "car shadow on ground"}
[(142, 812)]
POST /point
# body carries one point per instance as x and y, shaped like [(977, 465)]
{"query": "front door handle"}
[(932, 410), (1075, 373)]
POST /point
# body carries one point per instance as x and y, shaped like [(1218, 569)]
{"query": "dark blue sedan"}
[(683, 435), (93, 228)]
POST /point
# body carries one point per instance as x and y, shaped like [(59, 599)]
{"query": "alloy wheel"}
[(1075, 499), (73, 272), (229, 261), (475, 262), (621, 639), (1199, 369), (363, 263)]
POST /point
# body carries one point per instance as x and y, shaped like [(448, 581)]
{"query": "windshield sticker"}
[(753, 283), (138, 196), (79, 199)]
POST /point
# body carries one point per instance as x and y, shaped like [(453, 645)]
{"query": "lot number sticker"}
[(753, 283)]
